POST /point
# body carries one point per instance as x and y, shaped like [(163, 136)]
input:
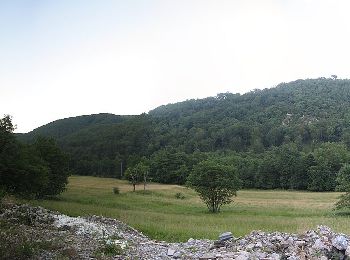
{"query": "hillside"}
[(63, 127), (304, 117)]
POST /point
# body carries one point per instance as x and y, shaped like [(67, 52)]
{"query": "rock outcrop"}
[(93, 237)]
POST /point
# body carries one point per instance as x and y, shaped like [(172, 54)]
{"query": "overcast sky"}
[(68, 58)]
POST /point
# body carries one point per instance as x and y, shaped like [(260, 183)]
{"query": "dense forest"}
[(35, 170), (293, 136)]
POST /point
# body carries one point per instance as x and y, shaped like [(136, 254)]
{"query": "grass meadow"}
[(160, 215)]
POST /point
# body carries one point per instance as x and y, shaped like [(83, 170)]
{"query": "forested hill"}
[(304, 118), (63, 127), (301, 111)]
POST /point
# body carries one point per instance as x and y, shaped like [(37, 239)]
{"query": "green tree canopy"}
[(215, 183), (57, 163), (343, 180), (137, 174), (35, 170)]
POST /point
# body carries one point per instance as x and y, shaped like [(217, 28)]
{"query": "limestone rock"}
[(347, 251), (170, 252), (340, 243), (83, 236), (177, 255), (207, 257), (225, 236)]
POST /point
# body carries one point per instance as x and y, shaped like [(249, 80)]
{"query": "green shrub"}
[(109, 248), (116, 190), (179, 196)]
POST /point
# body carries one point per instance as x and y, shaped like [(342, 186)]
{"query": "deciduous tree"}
[(215, 183), (343, 181), (36, 170), (137, 174)]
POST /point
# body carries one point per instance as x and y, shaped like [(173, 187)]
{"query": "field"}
[(160, 215)]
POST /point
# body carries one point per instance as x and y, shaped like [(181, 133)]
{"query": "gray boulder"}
[(225, 236), (340, 243)]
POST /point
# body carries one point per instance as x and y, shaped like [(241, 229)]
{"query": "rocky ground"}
[(35, 233)]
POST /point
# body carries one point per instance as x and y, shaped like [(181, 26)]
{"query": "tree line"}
[(36, 171)]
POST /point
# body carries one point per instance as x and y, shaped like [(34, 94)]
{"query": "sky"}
[(76, 57)]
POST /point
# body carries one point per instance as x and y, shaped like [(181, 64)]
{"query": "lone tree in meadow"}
[(137, 174), (215, 183), (343, 180)]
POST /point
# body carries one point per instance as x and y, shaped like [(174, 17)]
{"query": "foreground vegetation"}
[(163, 214), (34, 170)]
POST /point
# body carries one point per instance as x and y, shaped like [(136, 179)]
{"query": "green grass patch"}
[(158, 212)]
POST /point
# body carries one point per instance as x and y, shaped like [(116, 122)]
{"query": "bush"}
[(110, 248), (343, 202), (116, 190), (179, 195), (343, 180)]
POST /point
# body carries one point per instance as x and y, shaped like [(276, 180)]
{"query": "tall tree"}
[(57, 163), (137, 174)]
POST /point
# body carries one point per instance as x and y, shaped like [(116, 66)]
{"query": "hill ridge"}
[(302, 117)]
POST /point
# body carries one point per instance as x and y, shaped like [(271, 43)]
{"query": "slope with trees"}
[(293, 136)]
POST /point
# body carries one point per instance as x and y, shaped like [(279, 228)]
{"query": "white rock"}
[(319, 245), (275, 256), (347, 252), (242, 257), (290, 240), (191, 240), (324, 230), (170, 252), (230, 255), (258, 244), (242, 242), (300, 243), (250, 247), (177, 254), (340, 242), (260, 255), (207, 256)]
